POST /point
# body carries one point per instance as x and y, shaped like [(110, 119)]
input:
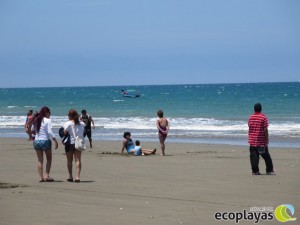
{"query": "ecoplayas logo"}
[(282, 215), (257, 214)]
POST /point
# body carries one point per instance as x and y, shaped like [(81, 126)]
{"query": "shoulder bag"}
[(79, 142)]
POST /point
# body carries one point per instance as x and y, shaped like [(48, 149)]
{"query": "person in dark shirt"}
[(89, 122)]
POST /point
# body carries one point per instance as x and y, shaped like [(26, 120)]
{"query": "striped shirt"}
[(257, 124)]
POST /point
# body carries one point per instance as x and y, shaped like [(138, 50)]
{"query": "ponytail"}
[(38, 118), (74, 116)]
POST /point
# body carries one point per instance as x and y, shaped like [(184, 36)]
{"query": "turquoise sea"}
[(203, 113)]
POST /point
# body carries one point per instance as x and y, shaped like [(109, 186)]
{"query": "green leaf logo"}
[(282, 215)]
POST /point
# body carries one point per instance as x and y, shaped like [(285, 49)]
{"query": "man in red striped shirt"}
[(258, 138)]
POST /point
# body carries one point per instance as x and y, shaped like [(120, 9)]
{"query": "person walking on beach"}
[(28, 124), (74, 127), (162, 125), (42, 143), (131, 148), (89, 122), (258, 138)]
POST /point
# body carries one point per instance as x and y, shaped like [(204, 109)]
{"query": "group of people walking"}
[(40, 125), (77, 126)]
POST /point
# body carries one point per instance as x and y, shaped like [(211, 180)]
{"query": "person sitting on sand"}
[(138, 148), (131, 148)]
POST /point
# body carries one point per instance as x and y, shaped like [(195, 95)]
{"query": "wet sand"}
[(188, 186)]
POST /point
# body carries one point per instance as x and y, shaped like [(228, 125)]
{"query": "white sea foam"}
[(184, 126)]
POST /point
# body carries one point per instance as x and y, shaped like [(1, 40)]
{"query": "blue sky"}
[(133, 42)]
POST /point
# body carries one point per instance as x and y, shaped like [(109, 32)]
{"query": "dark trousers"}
[(254, 159)]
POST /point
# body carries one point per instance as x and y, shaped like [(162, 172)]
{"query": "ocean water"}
[(203, 113)]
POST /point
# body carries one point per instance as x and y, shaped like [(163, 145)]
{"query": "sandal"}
[(70, 180), (77, 181), (154, 151), (48, 179)]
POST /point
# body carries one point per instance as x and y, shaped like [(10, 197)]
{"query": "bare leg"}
[(162, 143), (131, 151), (77, 155), (40, 155), (29, 135), (69, 155), (90, 140), (49, 162), (148, 151)]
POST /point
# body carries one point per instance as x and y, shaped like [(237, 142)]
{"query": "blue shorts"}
[(130, 148), (42, 145)]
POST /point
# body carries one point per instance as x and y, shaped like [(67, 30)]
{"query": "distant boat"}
[(130, 93)]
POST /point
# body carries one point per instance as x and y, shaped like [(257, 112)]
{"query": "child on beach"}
[(138, 148), (132, 148), (162, 125)]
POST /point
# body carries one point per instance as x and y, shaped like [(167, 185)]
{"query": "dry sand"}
[(188, 186)]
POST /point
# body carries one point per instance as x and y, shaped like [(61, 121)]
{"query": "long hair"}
[(74, 116), (38, 118)]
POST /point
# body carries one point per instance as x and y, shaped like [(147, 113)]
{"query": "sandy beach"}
[(188, 186)]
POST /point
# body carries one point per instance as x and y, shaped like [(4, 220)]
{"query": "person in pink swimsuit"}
[(162, 125)]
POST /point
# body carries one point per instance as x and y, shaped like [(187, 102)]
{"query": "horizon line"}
[(119, 85)]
